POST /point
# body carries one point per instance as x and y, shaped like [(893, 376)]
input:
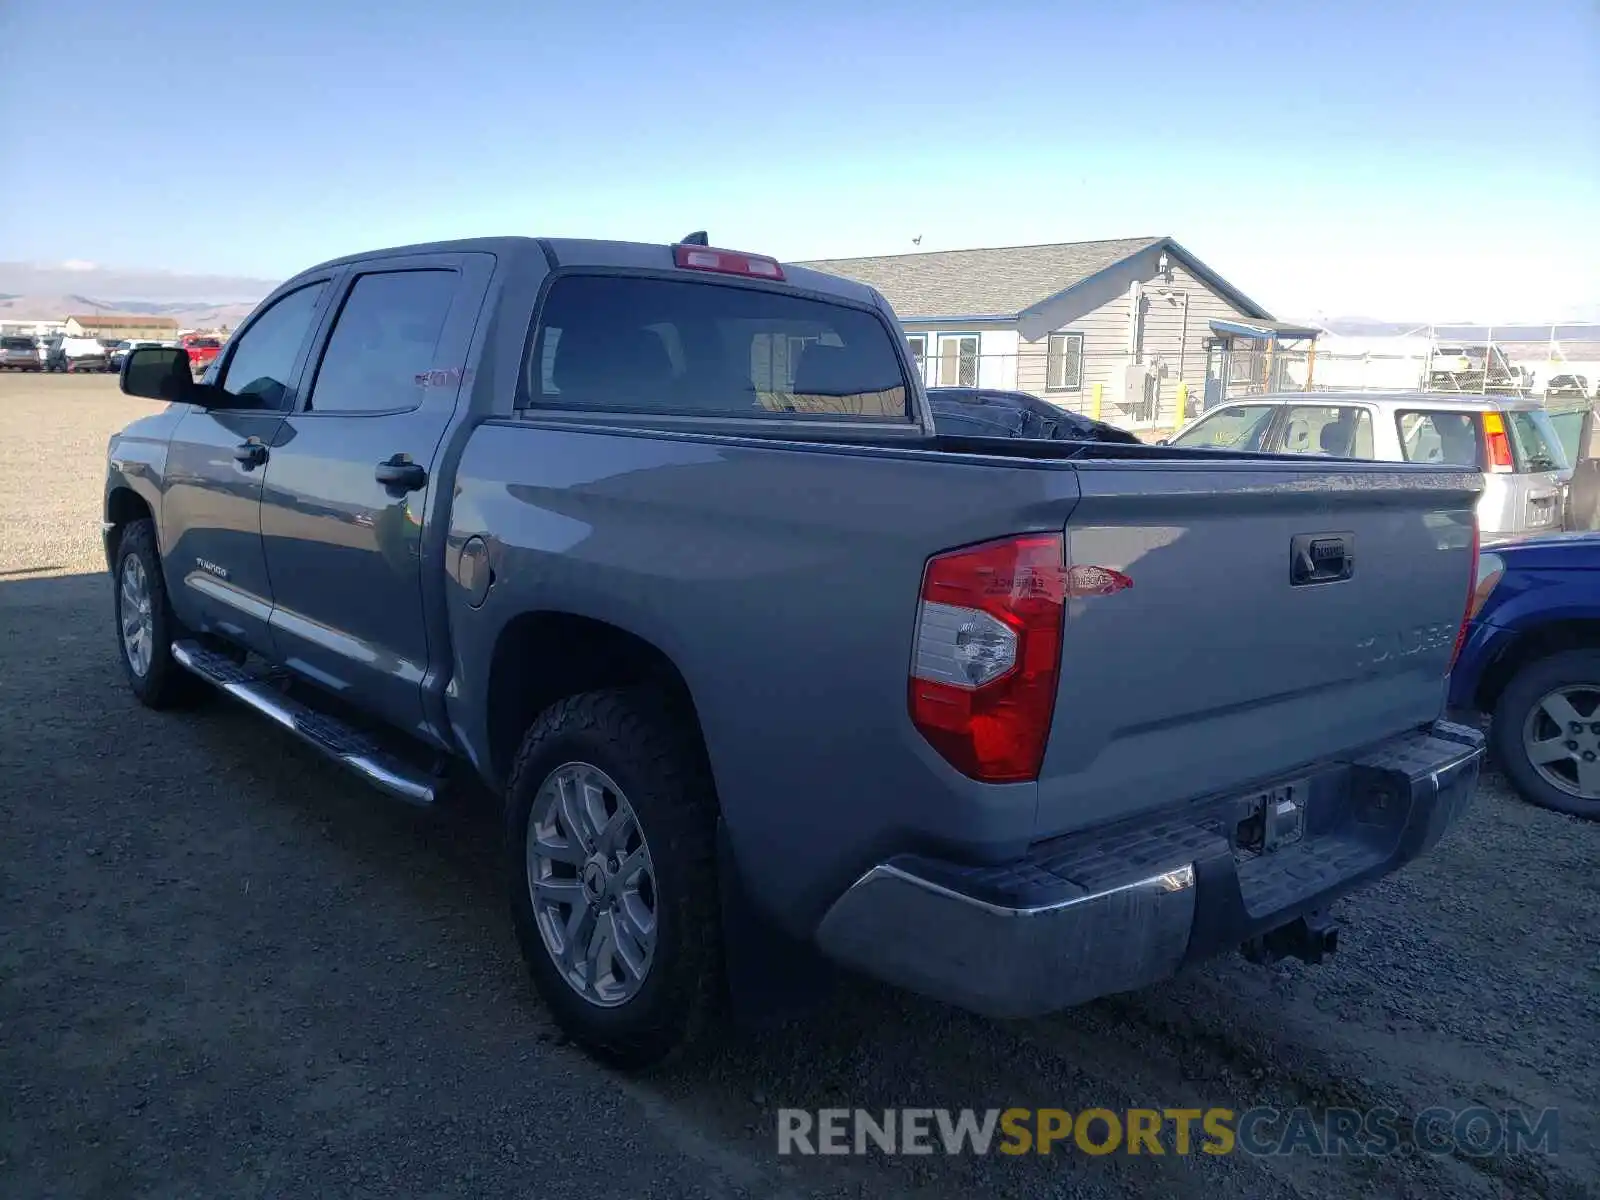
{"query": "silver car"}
[(20, 354), (1509, 438)]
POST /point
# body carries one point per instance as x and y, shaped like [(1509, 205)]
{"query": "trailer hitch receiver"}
[(1310, 938)]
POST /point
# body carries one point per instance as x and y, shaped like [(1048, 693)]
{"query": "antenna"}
[(697, 238)]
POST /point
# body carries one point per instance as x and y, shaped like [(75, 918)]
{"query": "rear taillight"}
[(1496, 444), (1474, 581), (987, 655), (727, 262)]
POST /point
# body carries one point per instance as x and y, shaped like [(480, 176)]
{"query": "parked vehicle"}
[(1475, 367), (120, 350), (72, 354), (1532, 658), (662, 543), (203, 350), (20, 354), (1508, 438), (992, 412), (1567, 387)]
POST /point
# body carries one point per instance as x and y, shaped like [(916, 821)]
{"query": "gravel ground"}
[(227, 969)]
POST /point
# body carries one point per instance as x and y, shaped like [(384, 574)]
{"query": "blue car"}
[(1531, 659)]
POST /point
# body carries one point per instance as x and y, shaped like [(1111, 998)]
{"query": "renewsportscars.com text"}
[(1476, 1132)]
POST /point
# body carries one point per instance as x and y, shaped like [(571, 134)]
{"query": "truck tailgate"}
[(1279, 613)]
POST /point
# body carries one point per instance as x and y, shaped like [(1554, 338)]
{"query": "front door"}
[(1216, 389), (345, 508), (211, 511)]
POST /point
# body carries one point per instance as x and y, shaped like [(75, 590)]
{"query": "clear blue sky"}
[(1438, 159)]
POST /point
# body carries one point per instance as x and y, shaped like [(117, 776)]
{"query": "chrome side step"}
[(331, 736)]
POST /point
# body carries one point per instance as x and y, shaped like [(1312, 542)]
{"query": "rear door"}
[(347, 493), (1335, 430), (211, 510)]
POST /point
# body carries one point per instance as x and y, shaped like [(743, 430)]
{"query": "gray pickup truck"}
[(661, 542)]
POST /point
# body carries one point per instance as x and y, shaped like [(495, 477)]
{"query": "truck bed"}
[(783, 577)]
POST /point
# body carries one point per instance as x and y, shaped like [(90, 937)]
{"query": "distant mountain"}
[(50, 292), (1565, 328), (56, 307), (124, 286)]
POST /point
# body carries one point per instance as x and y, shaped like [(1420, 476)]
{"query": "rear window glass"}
[(1534, 442), (16, 343), (1450, 439), (671, 347)]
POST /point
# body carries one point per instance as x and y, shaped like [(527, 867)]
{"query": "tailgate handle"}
[(1321, 558)]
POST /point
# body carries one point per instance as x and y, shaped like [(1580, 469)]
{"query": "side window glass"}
[(1450, 438), (383, 342), (264, 354), (1335, 430), (1238, 428)]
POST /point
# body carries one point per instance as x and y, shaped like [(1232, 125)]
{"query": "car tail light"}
[(727, 262), (1474, 582), (987, 655), (1497, 443)]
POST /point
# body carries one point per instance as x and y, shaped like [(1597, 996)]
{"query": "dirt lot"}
[(227, 969)]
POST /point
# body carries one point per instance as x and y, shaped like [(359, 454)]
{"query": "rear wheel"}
[(609, 844), (1547, 732)]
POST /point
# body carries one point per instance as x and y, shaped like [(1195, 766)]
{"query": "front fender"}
[(1524, 603), (136, 461)]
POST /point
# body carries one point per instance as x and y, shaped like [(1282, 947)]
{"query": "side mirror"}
[(159, 373)]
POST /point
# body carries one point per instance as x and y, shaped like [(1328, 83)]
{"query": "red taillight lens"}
[(727, 262), (1472, 601), (1497, 443), (987, 655)]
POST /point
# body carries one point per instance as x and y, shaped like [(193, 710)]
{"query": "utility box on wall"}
[(1140, 390)]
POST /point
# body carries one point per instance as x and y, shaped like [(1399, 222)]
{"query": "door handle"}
[(1321, 558), (400, 474), (250, 454)]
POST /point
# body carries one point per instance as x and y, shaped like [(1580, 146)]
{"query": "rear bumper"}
[(1115, 909)]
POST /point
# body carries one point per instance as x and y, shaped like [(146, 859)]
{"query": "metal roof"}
[(1265, 330)]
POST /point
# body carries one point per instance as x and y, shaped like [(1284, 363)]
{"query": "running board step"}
[(326, 733)]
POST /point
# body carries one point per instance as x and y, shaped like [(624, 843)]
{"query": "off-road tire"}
[(639, 738)]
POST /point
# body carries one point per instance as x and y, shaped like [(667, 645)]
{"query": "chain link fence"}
[(1153, 394)]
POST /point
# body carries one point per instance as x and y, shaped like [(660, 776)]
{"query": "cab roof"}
[(593, 252)]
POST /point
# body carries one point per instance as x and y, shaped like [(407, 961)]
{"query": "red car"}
[(203, 350)]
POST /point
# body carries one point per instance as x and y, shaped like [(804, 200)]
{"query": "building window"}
[(1063, 366), (919, 352), (958, 360)]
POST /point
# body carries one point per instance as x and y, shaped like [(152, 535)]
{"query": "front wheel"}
[(610, 850), (1547, 732), (146, 626)]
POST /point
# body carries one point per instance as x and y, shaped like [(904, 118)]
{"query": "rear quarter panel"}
[(783, 582)]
